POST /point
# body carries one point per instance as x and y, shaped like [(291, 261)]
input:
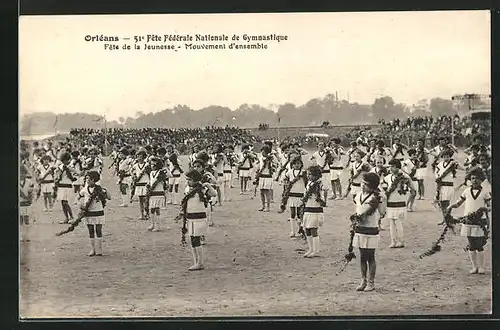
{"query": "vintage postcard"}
[(255, 165)]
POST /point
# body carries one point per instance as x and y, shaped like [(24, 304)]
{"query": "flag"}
[(98, 119), (279, 119)]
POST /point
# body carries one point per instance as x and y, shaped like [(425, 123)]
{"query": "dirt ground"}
[(252, 267)]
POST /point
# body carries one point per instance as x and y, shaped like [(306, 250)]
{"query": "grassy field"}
[(252, 268)]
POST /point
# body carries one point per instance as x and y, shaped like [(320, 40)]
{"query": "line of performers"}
[(379, 187)]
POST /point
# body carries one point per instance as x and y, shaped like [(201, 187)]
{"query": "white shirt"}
[(441, 168), (355, 168), (337, 152), (44, 170), (194, 204), (395, 196), (152, 179), (96, 204), (362, 204), (473, 204), (64, 177), (311, 202), (408, 165), (125, 165), (137, 169), (319, 158), (299, 186)]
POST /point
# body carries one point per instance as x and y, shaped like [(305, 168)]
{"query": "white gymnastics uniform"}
[(125, 166), (175, 179), (26, 187), (336, 167), (319, 158), (409, 165), (245, 167), (382, 185), (400, 155), (276, 163), (474, 199), (283, 161), (436, 151), (469, 161), (94, 164), (266, 178), (422, 169), (356, 182), (298, 188), (396, 202), (313, 212), (228, 169), (95, 214), (142, 179), (255, 166), (47, 183), (157, 198), (196, 214), (76, 170), (366, 235), (447, 182), (65, 185), (219, 169)]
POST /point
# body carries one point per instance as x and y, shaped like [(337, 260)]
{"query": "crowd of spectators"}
[(182, 138), (408, 130), (430, 128)]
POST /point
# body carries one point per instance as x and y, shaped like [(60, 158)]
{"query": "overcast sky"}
[(406, 55)]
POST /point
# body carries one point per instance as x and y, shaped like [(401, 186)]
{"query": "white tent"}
[(317, 135)]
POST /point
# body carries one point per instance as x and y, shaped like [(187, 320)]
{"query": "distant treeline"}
[(313, 113)]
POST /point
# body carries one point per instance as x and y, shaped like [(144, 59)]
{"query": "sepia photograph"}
[(255, 165)]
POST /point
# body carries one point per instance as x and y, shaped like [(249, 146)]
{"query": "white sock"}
[(152, 219), (209, 216), (199, 250), (292, 225), (399, 230), (98, 245), (227, 185), (155, 222), (316, 244), (92, 244), (392, 230), (309, 244), (124, 199), (473, 258), (194, 251), (222, 192), (480, 259)]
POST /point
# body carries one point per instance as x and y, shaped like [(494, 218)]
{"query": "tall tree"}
[(441, 107), (382, 107)]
